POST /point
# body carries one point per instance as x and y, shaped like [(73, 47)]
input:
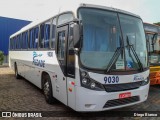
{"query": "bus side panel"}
[(72, 94), (31, 65), (24, 61)]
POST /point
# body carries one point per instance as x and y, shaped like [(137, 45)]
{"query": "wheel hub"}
[(46, 89)]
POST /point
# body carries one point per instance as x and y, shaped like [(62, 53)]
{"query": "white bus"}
[(93, 61)]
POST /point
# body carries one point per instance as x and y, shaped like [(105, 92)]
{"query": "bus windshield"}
[(113, 40), (154, 48)]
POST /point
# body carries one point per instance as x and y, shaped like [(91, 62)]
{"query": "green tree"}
[(158, 23), (1, 57)]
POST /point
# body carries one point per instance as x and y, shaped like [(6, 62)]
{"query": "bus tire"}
[(16, 72), (47, 89)]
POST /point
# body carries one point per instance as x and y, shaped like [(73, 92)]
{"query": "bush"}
[(1, 57)]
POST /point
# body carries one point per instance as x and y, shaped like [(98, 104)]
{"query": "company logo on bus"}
[(37, 59), (138, 78)]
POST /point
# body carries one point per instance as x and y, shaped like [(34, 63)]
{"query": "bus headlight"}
[(145, 82), (89, 83), (84, 74)]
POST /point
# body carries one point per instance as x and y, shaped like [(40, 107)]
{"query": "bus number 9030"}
[(111, 79)]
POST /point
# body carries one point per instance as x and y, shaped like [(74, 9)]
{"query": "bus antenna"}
[(59, 10)]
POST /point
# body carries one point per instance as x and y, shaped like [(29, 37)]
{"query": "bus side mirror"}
[(76, 35)]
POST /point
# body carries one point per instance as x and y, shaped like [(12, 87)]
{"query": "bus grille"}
[(122, 101), (122, 87)]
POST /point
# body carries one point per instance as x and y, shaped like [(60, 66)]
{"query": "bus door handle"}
[(63, 78)]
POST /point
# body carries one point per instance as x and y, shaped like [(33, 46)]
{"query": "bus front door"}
[(61, 82)]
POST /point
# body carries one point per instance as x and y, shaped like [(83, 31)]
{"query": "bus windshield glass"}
[(113, 40)]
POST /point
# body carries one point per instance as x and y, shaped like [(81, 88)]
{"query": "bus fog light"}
[(90, 106), (93, 85), (85, 81)]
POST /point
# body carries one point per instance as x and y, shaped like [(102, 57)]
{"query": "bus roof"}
[(33, 24), (151, 28), (108, 8)]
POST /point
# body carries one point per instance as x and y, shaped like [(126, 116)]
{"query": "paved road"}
[(21, 95)]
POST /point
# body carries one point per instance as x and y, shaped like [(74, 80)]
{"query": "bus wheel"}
[(16, 71), (47, 89)]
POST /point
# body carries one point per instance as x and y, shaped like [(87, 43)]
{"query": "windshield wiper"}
[(134, 53), (115, 56)]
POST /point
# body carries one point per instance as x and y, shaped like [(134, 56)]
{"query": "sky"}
[(148, 10)]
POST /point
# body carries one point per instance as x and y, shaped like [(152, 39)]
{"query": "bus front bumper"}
[(91, 100)]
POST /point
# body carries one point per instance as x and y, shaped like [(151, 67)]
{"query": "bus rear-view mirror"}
[(76, 35)]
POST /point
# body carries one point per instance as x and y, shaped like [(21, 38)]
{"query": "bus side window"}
[(14, 43), (35, 37), (46, 34), (26, 40), (23, 40), (41, 41), (61, 50), (61, 45), (24, 44), (18, 42), (31, 38), (53, 25)]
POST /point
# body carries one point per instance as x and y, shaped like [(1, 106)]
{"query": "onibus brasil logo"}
[(37, 59)]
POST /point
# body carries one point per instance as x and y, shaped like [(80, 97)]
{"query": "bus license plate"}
[(125, 95)]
